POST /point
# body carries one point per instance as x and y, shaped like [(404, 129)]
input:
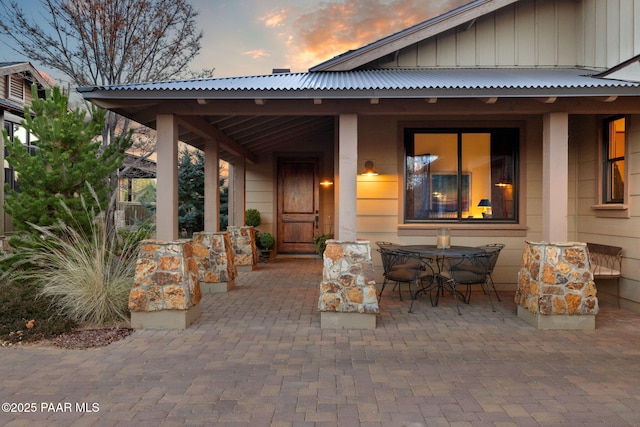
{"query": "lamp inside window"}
[(485, 204)]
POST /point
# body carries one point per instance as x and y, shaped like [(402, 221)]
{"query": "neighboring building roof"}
[(384, 83), (466, 13), (27, 70), (11, 106)]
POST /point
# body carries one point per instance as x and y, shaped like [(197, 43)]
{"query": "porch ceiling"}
[(250, 116)]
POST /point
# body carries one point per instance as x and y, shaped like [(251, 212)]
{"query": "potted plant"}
[(252, 217), (266, 243)]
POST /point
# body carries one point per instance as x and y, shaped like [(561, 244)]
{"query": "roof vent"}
[(280, 70)]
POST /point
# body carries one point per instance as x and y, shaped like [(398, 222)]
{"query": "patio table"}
[(437, 254)]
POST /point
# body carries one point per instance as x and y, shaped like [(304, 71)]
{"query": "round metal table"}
[(439, 255)]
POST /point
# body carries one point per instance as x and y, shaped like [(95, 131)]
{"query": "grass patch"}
[(86, 276)]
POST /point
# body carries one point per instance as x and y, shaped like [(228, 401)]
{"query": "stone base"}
[(217, 288), (165, 319), (578, 322), (335, 320), (245, 268)]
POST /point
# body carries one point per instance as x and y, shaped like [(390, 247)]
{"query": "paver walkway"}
[(257, 357)]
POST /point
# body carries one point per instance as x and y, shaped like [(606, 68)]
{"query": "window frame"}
[(606, 186), (408, 131)]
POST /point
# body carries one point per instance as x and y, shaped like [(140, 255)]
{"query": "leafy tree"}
[(106, 42), (68, 161)]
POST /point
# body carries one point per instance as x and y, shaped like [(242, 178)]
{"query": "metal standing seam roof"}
[(388, 80)]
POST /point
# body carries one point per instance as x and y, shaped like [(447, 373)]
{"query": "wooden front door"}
[(298, 205)]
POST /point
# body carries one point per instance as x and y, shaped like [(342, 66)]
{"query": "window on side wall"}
[(16, 130), (614, 146), (461, 175)]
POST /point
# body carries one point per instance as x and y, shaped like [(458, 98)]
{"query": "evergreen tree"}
[(191, 194), (67, 160), (224, 205), (191, 191)]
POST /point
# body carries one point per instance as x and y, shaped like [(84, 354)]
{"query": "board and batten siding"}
[(535, 33), (594, 226)]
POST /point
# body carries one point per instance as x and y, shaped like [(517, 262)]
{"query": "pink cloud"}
[(256, 53), (338, 26)]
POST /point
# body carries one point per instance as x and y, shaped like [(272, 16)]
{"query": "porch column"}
[(237, 191), (346, 177), (167, 178), (555, 177), (211, 186), (3, 230)]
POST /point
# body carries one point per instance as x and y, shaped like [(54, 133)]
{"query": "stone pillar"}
[(215, 262), (555, 286), (166, 291), (243, 242), (348, 290)]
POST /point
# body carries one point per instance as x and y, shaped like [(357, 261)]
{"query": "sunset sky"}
[(251, 37), (247, 37)]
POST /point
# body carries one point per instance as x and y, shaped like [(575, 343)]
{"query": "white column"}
[(167, 178), (211, 186), (237, 191), (555, 177), (346, 177)]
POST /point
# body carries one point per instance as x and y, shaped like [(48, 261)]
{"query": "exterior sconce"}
[(326, 182), (369, 169)]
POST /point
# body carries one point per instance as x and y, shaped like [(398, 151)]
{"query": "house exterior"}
[(16, 79), (503, 120)]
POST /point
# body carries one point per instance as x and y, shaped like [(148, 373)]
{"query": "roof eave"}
[(153, 96)]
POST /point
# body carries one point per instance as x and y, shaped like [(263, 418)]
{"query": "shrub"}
[(26, 316), (86, 276), (266, 241), (320, 243), (252, 217)]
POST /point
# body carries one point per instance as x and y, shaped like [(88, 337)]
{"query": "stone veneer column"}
[(555, 287), (243, 242), (348, 290), (215, 262), (166, 291)]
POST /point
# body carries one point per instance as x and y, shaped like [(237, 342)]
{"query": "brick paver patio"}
[(257, 357)]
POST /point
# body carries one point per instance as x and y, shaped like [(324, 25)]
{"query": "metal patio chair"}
[(402, 267), (467, 271), (494, 250)]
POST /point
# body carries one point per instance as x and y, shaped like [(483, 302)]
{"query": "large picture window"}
[(461, 175), (614, 151)]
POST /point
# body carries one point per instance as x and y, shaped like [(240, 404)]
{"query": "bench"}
[(606, 263)]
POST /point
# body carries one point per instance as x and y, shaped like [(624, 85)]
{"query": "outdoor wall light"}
[(326, 182), (369, 169)]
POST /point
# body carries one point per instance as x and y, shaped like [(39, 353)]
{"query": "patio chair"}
[(466, 270), (494, 250), (401, 267), (411, 262)]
